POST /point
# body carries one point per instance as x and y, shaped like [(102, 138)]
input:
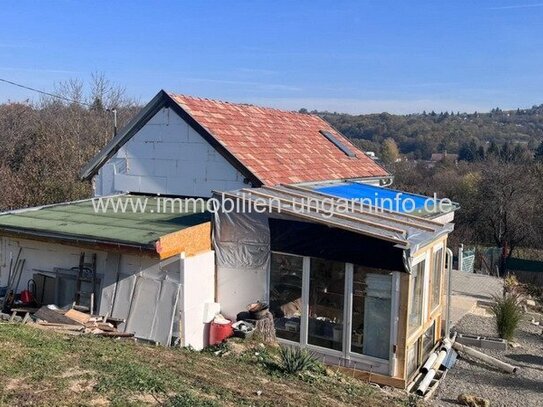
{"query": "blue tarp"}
[(379, 197)]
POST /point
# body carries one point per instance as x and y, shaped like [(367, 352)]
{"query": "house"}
[(185, 146), (361, 285)]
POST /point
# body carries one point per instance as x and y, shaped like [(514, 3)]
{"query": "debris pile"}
[(70, 321)]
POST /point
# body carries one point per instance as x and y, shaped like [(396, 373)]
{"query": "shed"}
[(154, 268)]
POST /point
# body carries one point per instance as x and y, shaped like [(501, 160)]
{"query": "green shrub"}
[(508, 312), (297, 360)]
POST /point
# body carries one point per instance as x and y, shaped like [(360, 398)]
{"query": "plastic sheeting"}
[(242, 252), (145, 293)]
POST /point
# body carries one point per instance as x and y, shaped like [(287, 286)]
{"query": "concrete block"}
[(494, 343), (469, 340)]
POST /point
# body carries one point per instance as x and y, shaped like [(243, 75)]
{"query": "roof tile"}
[(277, 146)]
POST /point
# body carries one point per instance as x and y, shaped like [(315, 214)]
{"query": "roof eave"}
[(79, 240)]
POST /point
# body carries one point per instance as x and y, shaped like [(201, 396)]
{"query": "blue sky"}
[(348, 56)]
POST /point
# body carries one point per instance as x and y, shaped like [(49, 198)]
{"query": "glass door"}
[(326, 304), (371, 313)]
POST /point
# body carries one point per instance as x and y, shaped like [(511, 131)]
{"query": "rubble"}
[(70, 321)]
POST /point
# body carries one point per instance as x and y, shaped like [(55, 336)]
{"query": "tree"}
[(468, 151), (506, 208), (539, 152), (389, 151)]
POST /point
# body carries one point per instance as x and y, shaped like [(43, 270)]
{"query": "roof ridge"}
[(226, 102)]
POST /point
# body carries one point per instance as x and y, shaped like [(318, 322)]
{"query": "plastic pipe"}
[(429, 363), (506, 367)]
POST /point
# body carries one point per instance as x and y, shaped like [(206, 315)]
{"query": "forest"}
[(419, 135), (497, 178)]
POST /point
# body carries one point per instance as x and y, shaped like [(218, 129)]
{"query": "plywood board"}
[(191, 240)]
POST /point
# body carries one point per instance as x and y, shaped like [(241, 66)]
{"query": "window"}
[(428, 340), (437, 271), (286, 295), (337, 143), (415, 297), (371, 310), (326, 304), (412, 358)]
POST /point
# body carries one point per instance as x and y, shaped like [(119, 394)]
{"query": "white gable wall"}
[(167, 156)]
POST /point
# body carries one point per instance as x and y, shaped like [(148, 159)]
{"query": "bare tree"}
[(507, 208)]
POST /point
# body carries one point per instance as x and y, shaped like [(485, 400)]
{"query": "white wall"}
[(41, 256), (198, 288), (167, 156)]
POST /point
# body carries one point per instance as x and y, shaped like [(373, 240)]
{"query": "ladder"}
[(85, 291)]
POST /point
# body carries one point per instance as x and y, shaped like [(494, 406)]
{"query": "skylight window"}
[(337, 143)]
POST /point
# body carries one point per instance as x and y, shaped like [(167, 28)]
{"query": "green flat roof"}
[(80, 220)]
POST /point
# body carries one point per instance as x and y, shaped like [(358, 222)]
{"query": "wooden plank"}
[(67, 327), (401, 350), (373, 377), (78, 316)]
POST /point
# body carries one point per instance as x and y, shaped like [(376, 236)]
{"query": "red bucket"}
[(219, 332)]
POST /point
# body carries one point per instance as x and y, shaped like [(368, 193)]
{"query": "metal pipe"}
[(449, 290)]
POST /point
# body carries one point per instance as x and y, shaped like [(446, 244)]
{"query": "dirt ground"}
[(42, 368)]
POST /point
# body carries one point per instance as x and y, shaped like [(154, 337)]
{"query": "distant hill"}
[(420, 135)]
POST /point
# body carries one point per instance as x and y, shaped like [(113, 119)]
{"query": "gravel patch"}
[(525, 388)]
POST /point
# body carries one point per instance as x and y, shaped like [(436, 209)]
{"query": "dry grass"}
[(48, 369)]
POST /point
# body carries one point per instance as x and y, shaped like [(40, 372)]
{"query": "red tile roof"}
[(278, 147)]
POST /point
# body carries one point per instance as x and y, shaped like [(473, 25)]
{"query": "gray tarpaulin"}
[(242, 252)]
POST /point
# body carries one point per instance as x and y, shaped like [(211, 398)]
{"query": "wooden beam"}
[(373, 377)]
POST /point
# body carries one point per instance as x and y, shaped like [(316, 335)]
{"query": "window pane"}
[(436, 279), (286, 295), (415, 297), (371, 313), (326, 294)]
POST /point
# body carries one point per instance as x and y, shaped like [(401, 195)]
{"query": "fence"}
[(527, 271), (466, 259)]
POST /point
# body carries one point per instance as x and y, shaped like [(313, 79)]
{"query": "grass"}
[(42, 368), (508, 313)]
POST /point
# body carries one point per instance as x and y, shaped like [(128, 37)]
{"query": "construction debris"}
[(69, 321)]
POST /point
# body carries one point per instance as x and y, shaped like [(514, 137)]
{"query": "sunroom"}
[(362, 289)]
